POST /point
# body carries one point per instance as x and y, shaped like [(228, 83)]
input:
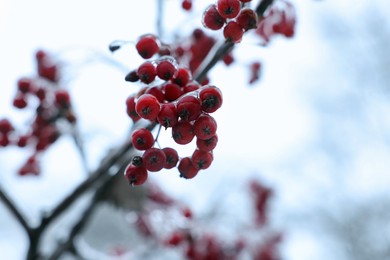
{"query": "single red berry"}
[(30, 167), (147, 107), (181, 77), (189, 108), (212, 19), (172, 91), (187, 212), (187, 169), (40, 93), (154, 159), (147, 46), (130, 109), (136, 175), (62, 98), (228, 8), (24, 85), (165, 69), (142, 139), (172, 157), (207, 145), (20, 101), (175, 239), (147, 72), (228, 59), (183, 132), (157, 92), (201, 160), (5, 126), (132, 76), (210, 98), (247, 19), (205, 127), (23, 140), (186, 5), (233, 32), (191, 86), (168, 116), (4, 140)]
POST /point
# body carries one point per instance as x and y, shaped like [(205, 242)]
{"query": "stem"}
[(262, 7)]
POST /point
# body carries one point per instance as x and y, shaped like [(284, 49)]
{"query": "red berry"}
[(207, 145), (183, 132), (233, 32), (62, 98), (147, 46), (175, 239), (136, 175), (212, 19), (168, 116), (205, 127), (5, 126), (186, 169), (191, 86), (40, 93), (20, 101), (157, 92), (189, 108), (247, 19), (142, 139), (186, 4), (210, 98), (171, 157), (24, 85), (201, 160), (147, 72), (4, 140), (22, 141), (172, 91), (154, 159), (30, 167), (165, 69), (181, 77), (228, 59), (130, 109), (147, 107), (229, 8)]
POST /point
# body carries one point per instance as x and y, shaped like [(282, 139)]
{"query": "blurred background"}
[(314, 128)]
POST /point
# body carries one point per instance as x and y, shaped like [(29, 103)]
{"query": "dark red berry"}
[(147, 107), (20, 101), (168, 116), (205, 127), (172, 157), (154, 159), (157, 92), (247, 19), (136, 175), (172, 91), (132, 76), (228, 8), (24, 85), (4, 140), (5, 126), (210, 98), (147, 46), (212, 19), (233, 32), (189, 108), (62, 98), (22, 141), (137, 161), (30, 167), (183, 132), (165, 69), (207, 145), (201, 160), (142, 139), (186, 5), (187, 169), (191, 86), (147, 72), (181, 77)]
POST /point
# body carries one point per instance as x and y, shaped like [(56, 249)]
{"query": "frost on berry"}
[(130, 109), (247, 19), (147, 72), (147, 46), (210, 98), (228, 8), (212, 19), (183, 132), (165, 69), (189, 108)]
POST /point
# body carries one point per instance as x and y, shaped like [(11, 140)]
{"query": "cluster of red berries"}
[(50, 104), (229, 15), (172, 99), (280, 19)]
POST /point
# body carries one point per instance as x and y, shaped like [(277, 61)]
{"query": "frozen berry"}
[(154, 159), (147, 107), (142, 139)]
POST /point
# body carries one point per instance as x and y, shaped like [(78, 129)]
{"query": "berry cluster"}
[(50, 104), (229, 15), (172, 99), (280, 19)]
